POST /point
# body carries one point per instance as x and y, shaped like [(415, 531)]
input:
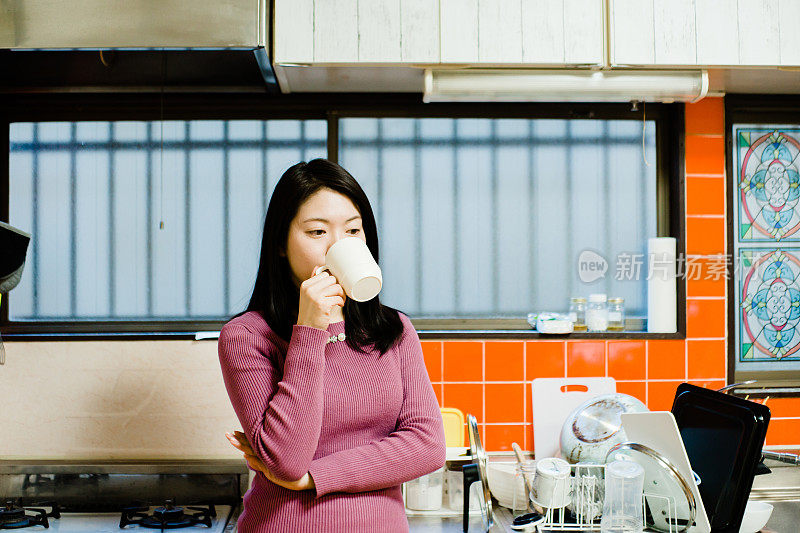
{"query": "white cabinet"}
[(717, 26), (759, 40), (335, 30), (485, 32), (379, 42), (705, 32), (458, 34), (538, 32), (293, 36), (584, 31), (419, 30)]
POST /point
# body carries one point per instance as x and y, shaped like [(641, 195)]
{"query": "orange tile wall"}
[(491, 379)]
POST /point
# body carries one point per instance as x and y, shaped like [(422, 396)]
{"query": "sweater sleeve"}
[(416, 446), (280, 409)]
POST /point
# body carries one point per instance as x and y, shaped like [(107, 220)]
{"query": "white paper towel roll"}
[(662, 288)]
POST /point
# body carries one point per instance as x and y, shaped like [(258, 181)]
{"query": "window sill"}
[(520, 334), (428, 329), (480, 328), (100, 336), (448, 334)]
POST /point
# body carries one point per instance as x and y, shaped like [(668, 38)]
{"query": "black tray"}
[(723, 436)]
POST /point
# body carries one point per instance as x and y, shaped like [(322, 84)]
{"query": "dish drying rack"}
[(587, 487)]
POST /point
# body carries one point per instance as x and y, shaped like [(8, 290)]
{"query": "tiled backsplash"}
[(166, 399)]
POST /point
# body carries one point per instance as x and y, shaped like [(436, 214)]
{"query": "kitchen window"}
[(486, 218), (138, 221), (147, 226)]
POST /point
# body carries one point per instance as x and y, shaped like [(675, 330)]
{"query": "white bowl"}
[(502, 484), (756, 516)]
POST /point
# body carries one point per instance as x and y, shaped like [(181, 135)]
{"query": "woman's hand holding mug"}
[(351, 262), (319, 294), (349, 269)]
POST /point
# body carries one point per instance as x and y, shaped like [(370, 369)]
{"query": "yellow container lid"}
[(453, 426)]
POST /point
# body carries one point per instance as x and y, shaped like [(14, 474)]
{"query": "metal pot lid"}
[(477, 451)]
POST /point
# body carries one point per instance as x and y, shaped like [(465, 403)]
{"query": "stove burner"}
[(169, 516), (13, 516)]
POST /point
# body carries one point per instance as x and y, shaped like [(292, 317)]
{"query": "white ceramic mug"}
[(551, 484), (352, 264)]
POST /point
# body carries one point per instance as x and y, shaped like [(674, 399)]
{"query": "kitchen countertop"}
[(432, 524), (451, 524), (781, 488)]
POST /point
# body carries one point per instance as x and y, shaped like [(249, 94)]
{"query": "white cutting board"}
[(552, 404), (658, 430)]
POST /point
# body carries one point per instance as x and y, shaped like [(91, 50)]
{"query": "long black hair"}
[(367, 324)]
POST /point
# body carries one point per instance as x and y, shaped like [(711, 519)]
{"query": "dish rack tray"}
[(587, 503)]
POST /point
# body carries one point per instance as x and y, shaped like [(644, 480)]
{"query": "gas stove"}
[(112, 497), (209, 518)]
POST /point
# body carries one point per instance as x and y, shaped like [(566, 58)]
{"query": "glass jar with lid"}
[(577, 313), (597, 313), (616, 314)]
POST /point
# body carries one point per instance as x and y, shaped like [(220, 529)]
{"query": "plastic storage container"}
[(425, 492)]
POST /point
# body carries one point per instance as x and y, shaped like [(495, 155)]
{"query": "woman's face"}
[(324, 218)]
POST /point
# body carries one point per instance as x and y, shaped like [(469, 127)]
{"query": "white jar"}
[(597, 313)]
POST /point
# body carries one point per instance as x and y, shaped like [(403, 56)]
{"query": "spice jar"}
[(597, 313), (616, 314), (577, 313)]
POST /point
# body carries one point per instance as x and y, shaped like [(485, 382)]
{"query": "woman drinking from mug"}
[(332, 394)]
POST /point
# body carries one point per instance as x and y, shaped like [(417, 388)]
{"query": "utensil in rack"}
[(477, 472), (520, 461)]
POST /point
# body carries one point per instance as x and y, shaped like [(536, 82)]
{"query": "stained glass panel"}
[(769, 288), (766, 245), (768, 184)]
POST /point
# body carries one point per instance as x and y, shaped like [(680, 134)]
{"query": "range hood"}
[(104, 24), (131, 27)]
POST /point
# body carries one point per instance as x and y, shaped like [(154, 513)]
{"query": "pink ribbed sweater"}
[(359, 423)]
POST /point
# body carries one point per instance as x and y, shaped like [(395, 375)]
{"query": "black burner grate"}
[(168, 516), (13, 516)]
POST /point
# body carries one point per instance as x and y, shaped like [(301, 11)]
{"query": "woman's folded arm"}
[(280, 410)]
